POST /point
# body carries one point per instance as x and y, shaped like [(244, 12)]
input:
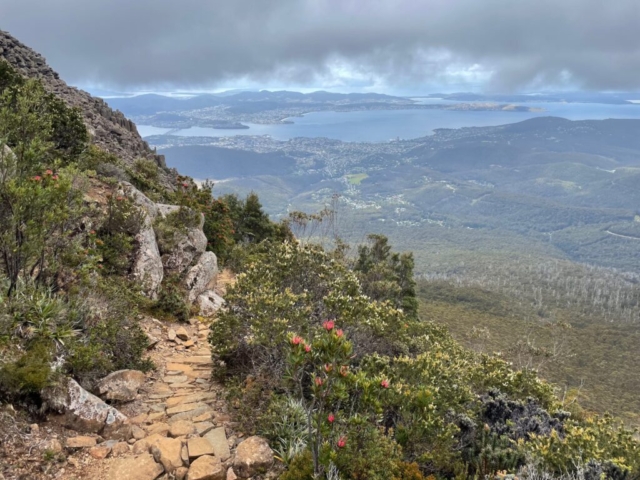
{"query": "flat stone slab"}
[(194, 397), (198, 447), (160, 396), (182, 427), (81, 442), (176, 379), (141, 467), (187, 407), (189, 415), (206, 468), (203, 427), (218, 439), (201, 360)]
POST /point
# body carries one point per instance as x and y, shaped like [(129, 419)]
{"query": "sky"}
[(394, 46)]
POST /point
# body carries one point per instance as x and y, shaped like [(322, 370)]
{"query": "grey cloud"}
[(201, 43)]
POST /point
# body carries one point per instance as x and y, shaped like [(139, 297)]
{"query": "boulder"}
[(122, 385), (201, 276), (167, 451), (206, 468), (142, 467), (83, 411), (209, 302), (253, 456)]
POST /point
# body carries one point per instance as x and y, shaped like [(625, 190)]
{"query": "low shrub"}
[(171, 303)]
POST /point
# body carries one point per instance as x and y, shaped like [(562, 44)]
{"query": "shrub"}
[(25, 377), (294, 288), (171, 301), (172, 227), (115, 238), (112, 338)]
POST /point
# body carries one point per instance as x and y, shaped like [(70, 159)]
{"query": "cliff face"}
[(110, 129)]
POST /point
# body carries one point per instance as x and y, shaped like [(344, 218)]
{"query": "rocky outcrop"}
[(109, 129), (122, 385), (201, 276), (209, 303), (188, 248), (147, 264), (85, 412), (253, 456)]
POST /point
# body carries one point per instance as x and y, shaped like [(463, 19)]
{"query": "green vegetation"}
[(64, 306), (343, 384)]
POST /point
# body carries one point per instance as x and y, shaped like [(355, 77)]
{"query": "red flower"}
[(48, 172), (328, 367), (37, 178), (318, 381), (296, 340), (342, 442), (331, 418), (384, 383), (185, 184), (339, 333), (55, 177), (328, 325), (307, 348), (344, 370)]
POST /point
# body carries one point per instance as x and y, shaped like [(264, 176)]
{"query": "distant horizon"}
[(187, 93)]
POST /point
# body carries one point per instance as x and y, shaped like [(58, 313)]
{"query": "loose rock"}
[(122, 385), (167, 451), (142, 467), (206, 468), (182, 333), (198, 447), (253, 456), (81, 442)]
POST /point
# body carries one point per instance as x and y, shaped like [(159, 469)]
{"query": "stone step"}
[(190, 414), (187, 407), (195, 397)]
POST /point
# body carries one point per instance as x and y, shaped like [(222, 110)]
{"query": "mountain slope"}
[(110, 129)]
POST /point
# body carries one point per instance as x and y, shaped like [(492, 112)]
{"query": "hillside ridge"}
[(110, 129)]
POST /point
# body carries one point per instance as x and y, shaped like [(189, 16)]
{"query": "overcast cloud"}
[(364, 44)]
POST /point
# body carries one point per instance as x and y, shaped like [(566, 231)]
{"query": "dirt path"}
[(179, 403)]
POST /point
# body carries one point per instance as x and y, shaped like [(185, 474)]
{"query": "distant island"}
[(271, 108)]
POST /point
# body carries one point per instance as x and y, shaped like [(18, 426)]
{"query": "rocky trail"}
[(181, 427)]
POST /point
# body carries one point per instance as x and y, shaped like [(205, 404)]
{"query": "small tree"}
[(38, 205), (386, 275)]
